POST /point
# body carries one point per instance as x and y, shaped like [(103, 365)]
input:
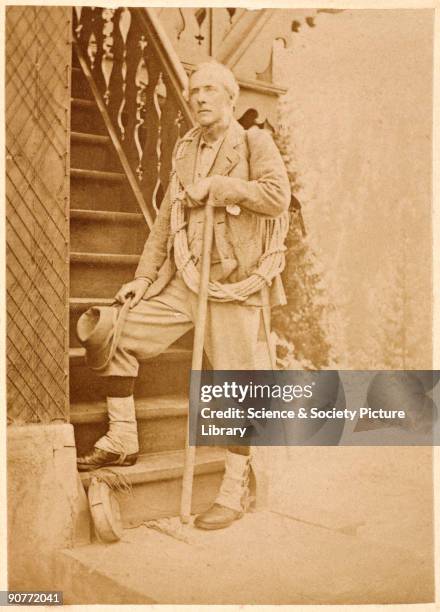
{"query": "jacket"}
[(249, 172)]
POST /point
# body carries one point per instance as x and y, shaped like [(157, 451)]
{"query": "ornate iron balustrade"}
[(140, 83)]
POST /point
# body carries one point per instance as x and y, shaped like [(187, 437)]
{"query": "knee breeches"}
[(234, 337)]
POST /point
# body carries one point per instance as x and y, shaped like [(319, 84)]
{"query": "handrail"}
[(114, 137)]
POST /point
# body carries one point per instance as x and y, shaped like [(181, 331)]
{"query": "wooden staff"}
[(197, 356)]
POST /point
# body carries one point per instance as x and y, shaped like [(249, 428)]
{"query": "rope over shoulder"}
[(270, 265)]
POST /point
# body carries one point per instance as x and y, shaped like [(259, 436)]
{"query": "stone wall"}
[(46, 506)]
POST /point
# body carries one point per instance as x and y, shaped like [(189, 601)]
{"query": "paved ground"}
[(265, 558)]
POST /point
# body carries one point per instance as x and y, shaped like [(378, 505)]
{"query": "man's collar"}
[(227, 157), (233, 134), (213, 144)]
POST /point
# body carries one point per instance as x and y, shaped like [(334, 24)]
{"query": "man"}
[(244, 178)]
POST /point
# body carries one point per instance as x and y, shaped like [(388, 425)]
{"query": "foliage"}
[(300, 326)]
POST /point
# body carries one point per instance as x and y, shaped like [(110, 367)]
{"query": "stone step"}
[(261, 559), (93, 151), (156, 480), (75, 60), (85, 117), (161, 423), (80, 86), (80, 137), (99, 190), (77, 355), (100, 176), (166, 374), (102, 231), (100, 273)]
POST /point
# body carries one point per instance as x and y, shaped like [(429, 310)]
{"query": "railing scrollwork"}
[(107, 46), (140, 87), (124, 27)]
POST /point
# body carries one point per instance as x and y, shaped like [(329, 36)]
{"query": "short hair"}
[(227, 78)]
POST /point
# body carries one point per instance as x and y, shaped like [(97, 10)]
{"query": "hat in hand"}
[(99, 330)]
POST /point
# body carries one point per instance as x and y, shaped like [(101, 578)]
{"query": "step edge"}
[(106, 215), (142, 414), (97, 175), (122, 258), (77, 355), (79, 351), (85, 102), (72, 594), (81, 304), (138, 476), (96, 412), (97, 139)]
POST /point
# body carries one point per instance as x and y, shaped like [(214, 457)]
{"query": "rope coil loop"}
[(270, 265)]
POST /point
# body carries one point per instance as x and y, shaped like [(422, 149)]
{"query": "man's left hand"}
[(197, 193)]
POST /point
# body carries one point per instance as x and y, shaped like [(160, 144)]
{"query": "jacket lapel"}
[(226, 159), (186, 160)]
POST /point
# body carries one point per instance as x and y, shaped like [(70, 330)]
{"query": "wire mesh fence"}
[(37, 193)]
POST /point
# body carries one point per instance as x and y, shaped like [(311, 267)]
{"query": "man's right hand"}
[(198, 192), (135, 288)]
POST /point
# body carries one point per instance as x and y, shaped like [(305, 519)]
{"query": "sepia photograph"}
[(195, 199)]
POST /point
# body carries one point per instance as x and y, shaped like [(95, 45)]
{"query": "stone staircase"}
[(107, 233)]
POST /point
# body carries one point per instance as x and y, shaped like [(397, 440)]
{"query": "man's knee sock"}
[(122, 433)]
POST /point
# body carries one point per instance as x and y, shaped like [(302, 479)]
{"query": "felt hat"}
[(105, 511), (99, 330)]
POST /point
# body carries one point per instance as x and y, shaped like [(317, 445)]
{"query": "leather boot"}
[(98, 458), (232, 500), (119, 446)]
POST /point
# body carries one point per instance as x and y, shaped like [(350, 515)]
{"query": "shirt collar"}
[(213, 145)]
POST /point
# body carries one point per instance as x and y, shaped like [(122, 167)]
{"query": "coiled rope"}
[(270, 264)]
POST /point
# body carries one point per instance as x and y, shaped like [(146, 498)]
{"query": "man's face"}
[(208, 98)]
